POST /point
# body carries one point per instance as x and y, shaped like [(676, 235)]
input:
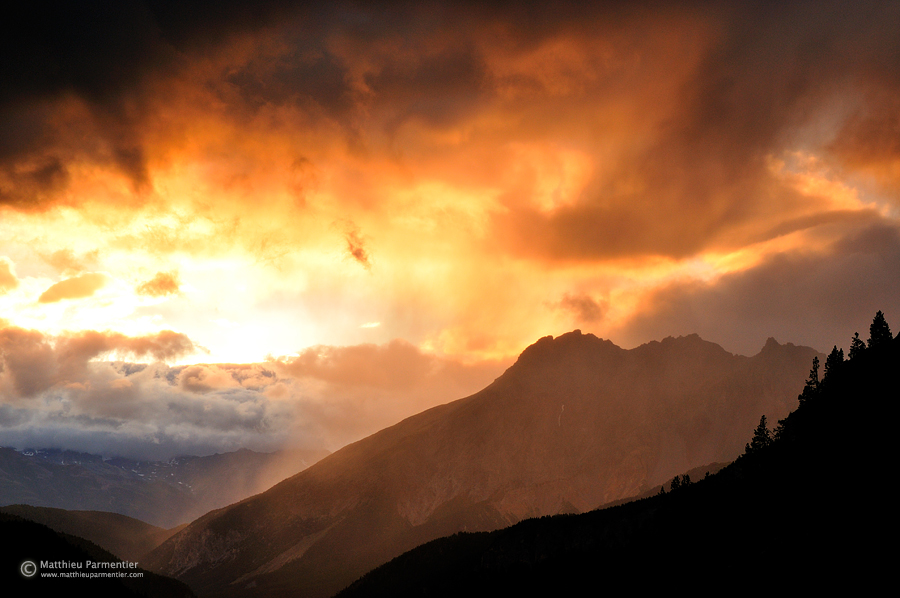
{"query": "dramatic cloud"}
[(328, 396), (33, 362), (274, 179), (814, 298), (78, 287)]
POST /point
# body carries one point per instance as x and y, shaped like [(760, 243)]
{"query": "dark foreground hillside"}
[(26, 545), (810, 511), (125, 537)]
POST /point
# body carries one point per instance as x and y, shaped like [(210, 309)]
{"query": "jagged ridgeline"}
[(804, 509), (575, 423)]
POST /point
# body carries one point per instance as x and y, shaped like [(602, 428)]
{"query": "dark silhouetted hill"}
[(25, 540), (126, 537)]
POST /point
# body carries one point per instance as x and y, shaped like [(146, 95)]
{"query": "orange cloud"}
[(65, 260), (78, 287), (500, 157), (356, 249), (205, 378), (583, 307), (395, 365), (8, 279), (33, 362), (164, 283)]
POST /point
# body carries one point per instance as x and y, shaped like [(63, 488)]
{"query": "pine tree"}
[(879, 332), (857, 346), (778, 432), (812, 384), (762, 437), (833, 363)]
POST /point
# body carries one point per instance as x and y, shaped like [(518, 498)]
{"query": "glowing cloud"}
[(78, 287), (470, 177), (164, 283), (8, 279)]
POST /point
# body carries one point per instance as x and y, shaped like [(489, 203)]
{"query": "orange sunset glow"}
[(293, 226)]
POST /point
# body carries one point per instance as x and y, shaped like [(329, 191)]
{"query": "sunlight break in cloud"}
[(470, 177)]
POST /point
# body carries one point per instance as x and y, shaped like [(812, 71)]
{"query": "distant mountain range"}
[(162, 493), (575, 423)]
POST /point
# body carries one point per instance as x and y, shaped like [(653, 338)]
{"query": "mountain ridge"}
[(162, 493), (786, 509), (574, 423)]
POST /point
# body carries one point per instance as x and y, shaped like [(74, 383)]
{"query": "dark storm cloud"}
[(104, 54), (116, 57), (102, 49), (441, 87), (583, 307), (772, 78), (764, 73), (98, 52), (817, 298), (869, 142)]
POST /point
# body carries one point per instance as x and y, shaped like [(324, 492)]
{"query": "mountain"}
[(575, 423), (803, 514), (126, 537), (163, 493), (30, 547)]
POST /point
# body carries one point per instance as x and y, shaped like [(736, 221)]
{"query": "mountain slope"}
[(70, 555), (126, 537), (576, 422), (797, 512), (165, 494)]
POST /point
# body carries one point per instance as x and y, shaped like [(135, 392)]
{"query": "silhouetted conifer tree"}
[(833, 363), (676, 483), (762, 437), (779, 429), (812, 384), (685, 480), (879, 332), (857, 346)]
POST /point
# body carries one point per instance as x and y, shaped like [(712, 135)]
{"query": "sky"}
[(268, 224)]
